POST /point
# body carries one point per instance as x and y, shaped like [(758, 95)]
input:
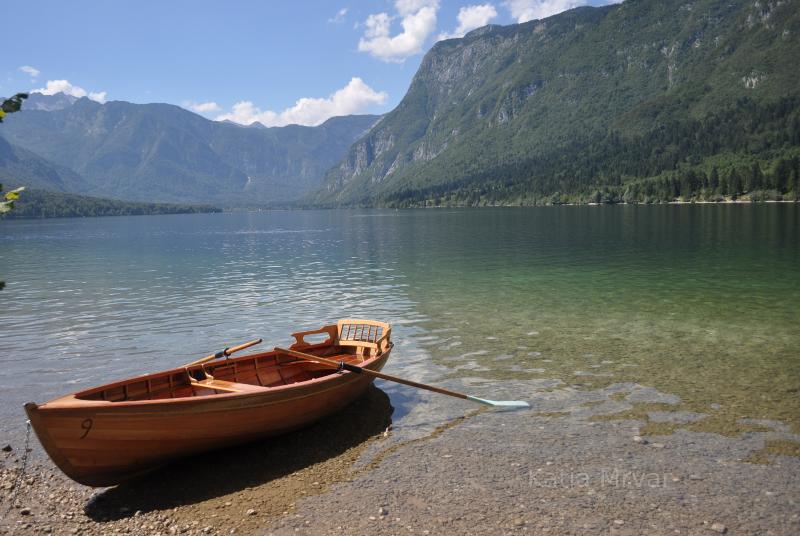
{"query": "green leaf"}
[(13, 195), (14, 103)]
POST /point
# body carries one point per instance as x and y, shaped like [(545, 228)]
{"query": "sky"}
[(279, 63)]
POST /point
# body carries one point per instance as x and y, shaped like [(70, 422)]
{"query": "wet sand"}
[(446, 468)]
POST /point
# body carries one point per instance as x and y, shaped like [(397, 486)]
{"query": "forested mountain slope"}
[(644, 101), (160, 152)]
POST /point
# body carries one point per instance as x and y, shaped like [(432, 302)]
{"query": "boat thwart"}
[(107, 434)]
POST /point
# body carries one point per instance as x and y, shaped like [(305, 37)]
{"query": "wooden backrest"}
[(364, 334), (301, 343)]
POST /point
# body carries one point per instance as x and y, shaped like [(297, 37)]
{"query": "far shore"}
[(234, 210)]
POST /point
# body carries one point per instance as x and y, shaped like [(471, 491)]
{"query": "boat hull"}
[(100, 443)]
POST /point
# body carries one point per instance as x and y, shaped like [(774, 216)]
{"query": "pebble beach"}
[(434, 465)]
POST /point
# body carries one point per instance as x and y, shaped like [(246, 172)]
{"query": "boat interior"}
[(351, 341)]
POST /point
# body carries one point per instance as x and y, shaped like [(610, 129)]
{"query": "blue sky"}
[(275, 62)]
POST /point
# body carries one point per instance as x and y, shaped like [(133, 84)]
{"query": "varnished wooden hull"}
[(102, 443)]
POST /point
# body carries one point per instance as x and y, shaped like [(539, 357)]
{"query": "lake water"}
[(697, 301)]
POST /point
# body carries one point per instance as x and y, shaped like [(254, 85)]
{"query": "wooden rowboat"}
[(111, 433)]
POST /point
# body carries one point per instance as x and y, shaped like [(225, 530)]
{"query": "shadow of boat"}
[(206, 476)]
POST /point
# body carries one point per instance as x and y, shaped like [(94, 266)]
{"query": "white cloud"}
[(418, 19), (355, 97), (409, 7), (525, 10), (339, 17), (99, 96), (377, 25), (32, 71), (202, 107), (471, 17), (63, 86)]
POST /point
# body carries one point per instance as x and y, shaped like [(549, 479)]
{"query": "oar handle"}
[(229, 351), (224, 353), (374, 373)]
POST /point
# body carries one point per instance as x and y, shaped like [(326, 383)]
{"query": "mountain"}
[(19, 167), (160, 152), (46, 183), (49, 103), (648, 98)]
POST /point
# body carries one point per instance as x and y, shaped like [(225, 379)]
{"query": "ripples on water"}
[(476, 293)]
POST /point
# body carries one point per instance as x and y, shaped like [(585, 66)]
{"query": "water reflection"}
[(702, 297)]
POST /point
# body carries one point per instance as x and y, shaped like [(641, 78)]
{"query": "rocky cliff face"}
[(503, 94)]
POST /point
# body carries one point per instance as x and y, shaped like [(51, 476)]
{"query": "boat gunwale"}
[(294, 406), (71, 401)]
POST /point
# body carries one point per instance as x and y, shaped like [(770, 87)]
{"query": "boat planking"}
[(108, 434)]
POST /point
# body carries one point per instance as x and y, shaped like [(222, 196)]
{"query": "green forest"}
[(749, 151), (44, 204)]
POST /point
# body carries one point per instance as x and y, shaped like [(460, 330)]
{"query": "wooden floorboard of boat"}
[(99, 442)]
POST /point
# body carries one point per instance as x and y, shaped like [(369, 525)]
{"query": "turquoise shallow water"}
[(701, 301)]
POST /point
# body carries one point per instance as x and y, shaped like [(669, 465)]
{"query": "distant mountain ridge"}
[(587, 103), (20, 167), (49, 103), (161, 152)]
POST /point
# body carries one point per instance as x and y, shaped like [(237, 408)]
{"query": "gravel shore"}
[(441, 468)]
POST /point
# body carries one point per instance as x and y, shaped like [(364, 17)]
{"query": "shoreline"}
[(236, 210), (623, 203), (236, 488), (442, 468)]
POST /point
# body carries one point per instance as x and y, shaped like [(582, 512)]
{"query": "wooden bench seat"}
[(228, 387)]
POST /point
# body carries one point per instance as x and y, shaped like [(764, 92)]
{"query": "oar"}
[(341, 365), (224, 353)]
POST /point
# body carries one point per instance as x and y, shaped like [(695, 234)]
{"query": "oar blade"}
[(500, 403), (376, 374)]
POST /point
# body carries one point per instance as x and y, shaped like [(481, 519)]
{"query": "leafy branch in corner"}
[(8, 199), (10, 106)]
